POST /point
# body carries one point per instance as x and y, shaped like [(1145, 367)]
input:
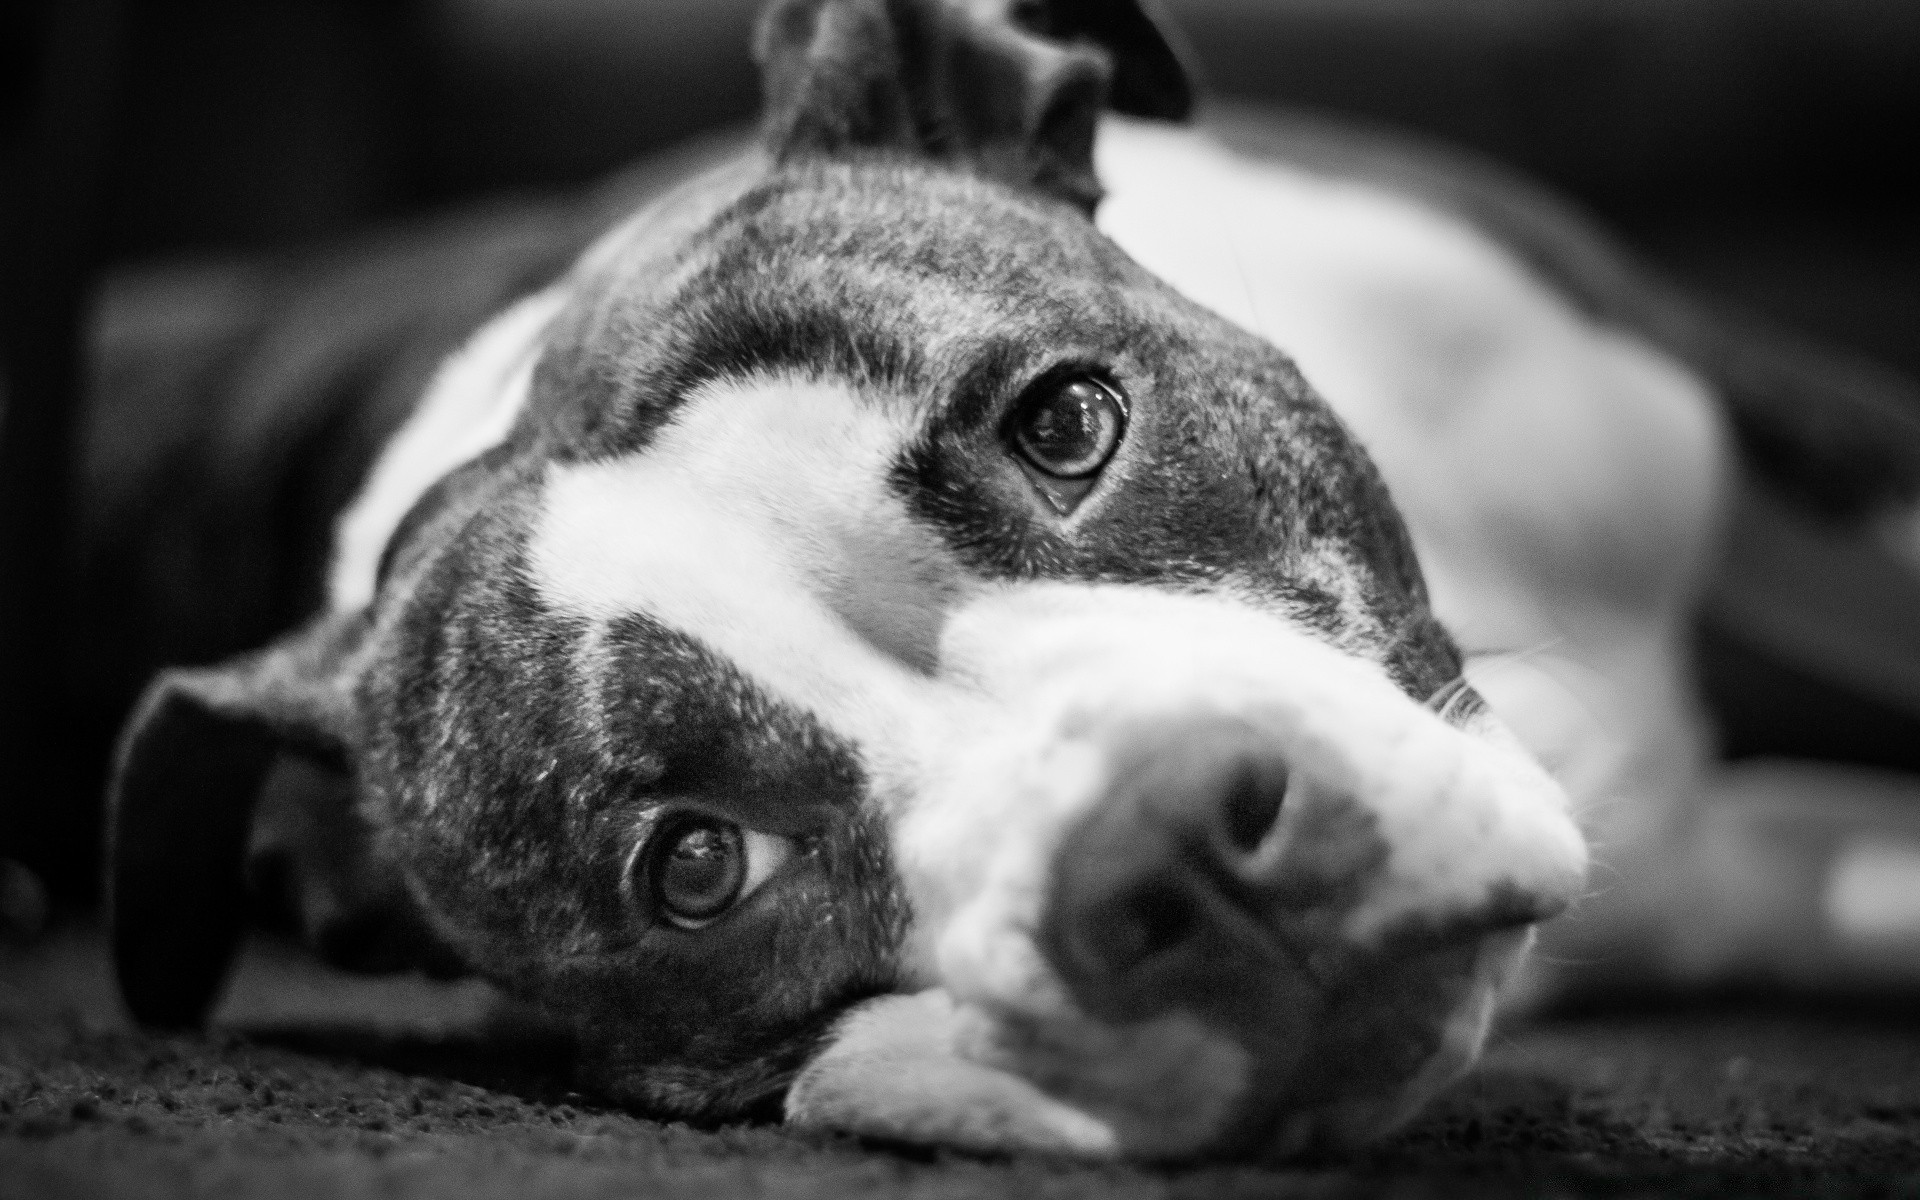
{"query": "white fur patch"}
[(468, 409), (1164, 1085), (896, 1068), (759, 523)]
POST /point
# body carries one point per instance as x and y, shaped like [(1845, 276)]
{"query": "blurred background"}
[(1756, 149), (1760, 146)]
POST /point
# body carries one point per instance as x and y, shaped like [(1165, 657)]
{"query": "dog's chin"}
[(1343, 1121), (988, 1076), (1350, 1064)]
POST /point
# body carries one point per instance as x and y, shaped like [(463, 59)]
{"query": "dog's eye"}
[(701, 871), (1070, 429), (702, 866)]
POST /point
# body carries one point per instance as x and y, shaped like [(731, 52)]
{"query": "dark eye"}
[(1070, 429), (696, 867), (700, 870)]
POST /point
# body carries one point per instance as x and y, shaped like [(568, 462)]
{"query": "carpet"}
[(315, 1084)]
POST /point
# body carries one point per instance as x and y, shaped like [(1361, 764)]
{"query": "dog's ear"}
[(189, 768), (1151, 76), (1011, 88)]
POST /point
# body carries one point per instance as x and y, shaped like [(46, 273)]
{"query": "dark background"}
[(1755, 148), (1760, 146)]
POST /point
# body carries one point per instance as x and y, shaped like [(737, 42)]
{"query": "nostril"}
[(1252, 805), (1136, 925), (1159, 887)]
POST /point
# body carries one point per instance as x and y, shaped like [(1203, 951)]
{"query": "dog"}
[(981, 620)]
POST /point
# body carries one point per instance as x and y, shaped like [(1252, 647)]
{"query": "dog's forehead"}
[(881, 271), (934, 296), (909, 220), (1235, 474), (928, 287)]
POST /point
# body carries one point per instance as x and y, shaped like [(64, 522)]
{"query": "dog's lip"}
[(1292, 1123), (1282, 1113)]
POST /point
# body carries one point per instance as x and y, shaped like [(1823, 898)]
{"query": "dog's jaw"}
[(1470, 843)]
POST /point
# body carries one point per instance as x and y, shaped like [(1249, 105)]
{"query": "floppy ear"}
[(1151, 72), (189, 767), (315, 862), (1010, 88)]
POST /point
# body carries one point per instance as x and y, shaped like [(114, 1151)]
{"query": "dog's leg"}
[(1801, 875), (1786, 875)]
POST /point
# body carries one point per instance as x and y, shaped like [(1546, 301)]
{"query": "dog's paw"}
[(895, 1070)]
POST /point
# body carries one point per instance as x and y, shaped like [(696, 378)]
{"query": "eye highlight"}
[(1069, 428), (700, 871), (696, 868)]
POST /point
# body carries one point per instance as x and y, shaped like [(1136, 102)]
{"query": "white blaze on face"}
[(760, 523)]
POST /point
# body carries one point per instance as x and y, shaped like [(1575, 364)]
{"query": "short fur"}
[(726, 521)]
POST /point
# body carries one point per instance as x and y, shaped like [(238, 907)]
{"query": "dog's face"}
[(905, 657)]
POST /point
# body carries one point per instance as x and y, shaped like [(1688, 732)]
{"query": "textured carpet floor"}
[(314, 1085)]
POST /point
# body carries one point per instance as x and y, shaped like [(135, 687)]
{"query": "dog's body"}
[(1141, 807)]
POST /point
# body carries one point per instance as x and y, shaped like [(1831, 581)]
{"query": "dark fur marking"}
[(541, 776), (1233, 467)]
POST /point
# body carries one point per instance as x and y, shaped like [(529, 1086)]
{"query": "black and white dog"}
[(1014, 628)]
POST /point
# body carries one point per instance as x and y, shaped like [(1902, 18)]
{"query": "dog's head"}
[(902, 657)]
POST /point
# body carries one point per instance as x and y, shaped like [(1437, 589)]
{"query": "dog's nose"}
[(1188, 887), (1153, 892)]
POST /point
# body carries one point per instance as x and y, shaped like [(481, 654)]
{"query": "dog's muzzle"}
[(1180, 891), (1180, 896), (1212, 883)]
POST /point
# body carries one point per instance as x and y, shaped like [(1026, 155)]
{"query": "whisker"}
[(1498, 658)]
